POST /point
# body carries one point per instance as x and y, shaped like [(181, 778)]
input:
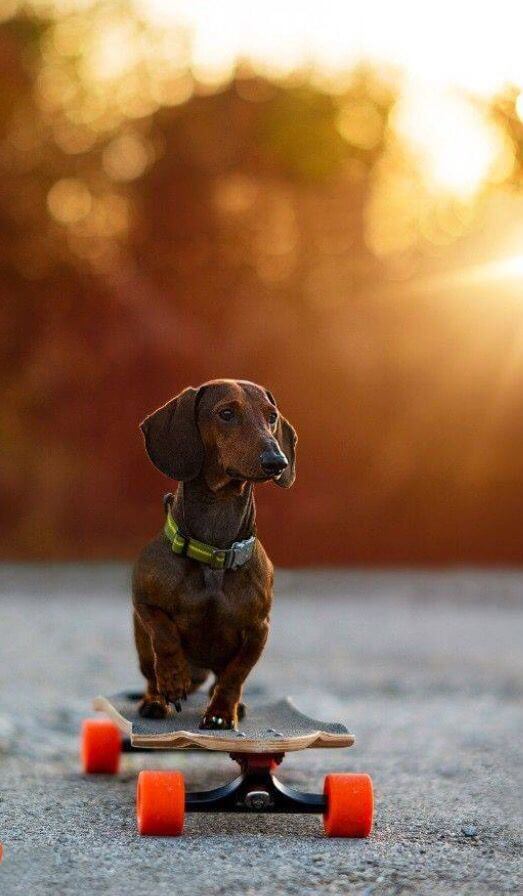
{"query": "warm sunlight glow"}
[(407, 87), (473, 46), (507, 270), (454, 145), (437, 54), (508, 267), (440, 48)]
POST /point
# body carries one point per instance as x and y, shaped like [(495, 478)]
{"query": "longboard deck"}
[(266, 728)]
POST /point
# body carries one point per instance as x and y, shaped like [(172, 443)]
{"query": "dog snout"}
[(273, 461)]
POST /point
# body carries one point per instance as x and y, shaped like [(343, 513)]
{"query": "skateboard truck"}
[(255, 790)]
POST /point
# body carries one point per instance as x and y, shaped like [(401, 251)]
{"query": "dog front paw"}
[(214, 723), (216, 718), (153, 707), (173, 688)]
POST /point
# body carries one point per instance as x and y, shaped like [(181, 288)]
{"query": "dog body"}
[(189, 618)]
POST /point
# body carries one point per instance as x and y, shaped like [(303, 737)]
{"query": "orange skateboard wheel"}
[(101, 747), (160, 803), (350, 805)]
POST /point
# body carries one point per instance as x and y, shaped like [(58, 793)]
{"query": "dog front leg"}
[(222, 711), (171, 670)]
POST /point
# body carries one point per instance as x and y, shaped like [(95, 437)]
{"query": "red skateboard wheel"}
[(160, 803), (101, 747), (350, 805)]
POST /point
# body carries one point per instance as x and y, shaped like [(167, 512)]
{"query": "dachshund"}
[(202, 589)]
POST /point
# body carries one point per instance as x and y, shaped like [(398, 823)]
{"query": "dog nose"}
[(273, 461)]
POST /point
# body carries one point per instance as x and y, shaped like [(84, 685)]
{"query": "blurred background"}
[(324, 198)]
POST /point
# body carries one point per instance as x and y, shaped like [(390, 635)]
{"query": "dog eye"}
[(226, 414), (272, 418)]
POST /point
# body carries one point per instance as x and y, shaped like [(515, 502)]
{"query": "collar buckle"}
[(240, 553)]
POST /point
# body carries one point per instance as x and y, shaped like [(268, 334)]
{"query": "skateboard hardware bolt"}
[(257, 800)]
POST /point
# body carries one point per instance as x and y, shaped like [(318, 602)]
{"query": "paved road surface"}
[(425, 668)]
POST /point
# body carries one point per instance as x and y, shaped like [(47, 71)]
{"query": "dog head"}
[(229, 430)]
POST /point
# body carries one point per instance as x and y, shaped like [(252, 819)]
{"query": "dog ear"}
[(287, 439), (172, 438)]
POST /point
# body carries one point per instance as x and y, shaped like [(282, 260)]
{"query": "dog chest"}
[(211, 627)]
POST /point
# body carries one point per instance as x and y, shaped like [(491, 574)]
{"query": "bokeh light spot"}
[(73, 139), (173, 90), (69, 200), (360, 124), (125, 158), (235, 193)]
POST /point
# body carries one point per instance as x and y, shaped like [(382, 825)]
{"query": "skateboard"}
[(258, 746)]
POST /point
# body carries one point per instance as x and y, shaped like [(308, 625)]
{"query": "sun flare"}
[(466, 45), (506, 268), (457, 149), (439, 49)]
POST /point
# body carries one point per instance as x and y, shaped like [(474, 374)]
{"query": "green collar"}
[(229, 558)]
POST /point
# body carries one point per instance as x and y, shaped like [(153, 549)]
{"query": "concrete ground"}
[(425, 668)]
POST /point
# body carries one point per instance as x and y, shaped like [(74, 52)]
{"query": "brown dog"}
[(202, 589)]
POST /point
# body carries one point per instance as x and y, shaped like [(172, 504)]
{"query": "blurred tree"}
[(156, 232)]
